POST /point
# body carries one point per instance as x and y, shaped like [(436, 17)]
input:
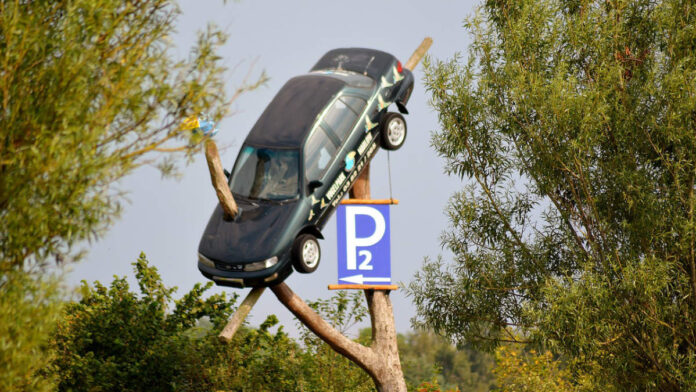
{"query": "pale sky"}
[(165, 217)]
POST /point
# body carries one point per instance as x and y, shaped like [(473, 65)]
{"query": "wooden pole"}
[(388, 375), (418, 53), (219, 180), (240, 314)]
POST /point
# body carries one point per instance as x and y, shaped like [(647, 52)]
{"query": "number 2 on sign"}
[(365, 265)]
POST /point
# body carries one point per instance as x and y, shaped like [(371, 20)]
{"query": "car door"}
[(333, 136), (342, 120), (327, 141)]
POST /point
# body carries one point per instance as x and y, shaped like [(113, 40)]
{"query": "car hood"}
[(257, 233)]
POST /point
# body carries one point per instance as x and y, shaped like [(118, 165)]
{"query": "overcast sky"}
[(165, 218)]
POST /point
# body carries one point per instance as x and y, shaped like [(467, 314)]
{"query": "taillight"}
[(399, 67)]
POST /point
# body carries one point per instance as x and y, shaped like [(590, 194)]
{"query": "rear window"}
[(369, 62)]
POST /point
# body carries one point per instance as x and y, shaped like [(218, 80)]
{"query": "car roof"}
[(369, 62), (289, 117)]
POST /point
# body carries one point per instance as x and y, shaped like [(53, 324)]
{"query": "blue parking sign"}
[(364, 254)]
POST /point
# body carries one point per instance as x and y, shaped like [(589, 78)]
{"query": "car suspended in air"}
[(299, 160)]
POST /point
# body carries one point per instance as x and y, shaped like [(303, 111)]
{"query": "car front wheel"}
[(393, 131), (306, 253)]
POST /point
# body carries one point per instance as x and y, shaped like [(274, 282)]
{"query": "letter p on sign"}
[(364, 252)]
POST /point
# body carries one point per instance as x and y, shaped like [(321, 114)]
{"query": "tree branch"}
[(219, 180), (357, 353)]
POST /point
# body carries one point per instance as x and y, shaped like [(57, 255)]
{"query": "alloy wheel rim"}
[(396, 131), (310, 253)]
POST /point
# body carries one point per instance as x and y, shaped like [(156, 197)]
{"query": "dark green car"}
[(299, 160)]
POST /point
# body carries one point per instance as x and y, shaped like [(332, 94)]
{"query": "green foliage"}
[(90, 90), (255, 360), (29, 311), (517, 371), (573, 123), (426, 356), (116, 340), (432, 387)]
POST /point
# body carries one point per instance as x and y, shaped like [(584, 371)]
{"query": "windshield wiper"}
[(247, 199), (279, 201)]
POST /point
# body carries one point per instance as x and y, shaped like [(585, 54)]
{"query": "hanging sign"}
[(364, 254)]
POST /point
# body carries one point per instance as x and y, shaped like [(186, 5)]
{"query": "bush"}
[(115, 340)]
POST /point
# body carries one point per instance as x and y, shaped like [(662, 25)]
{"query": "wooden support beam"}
[(418, 53), (240, 314), (219, 180), (361, 185)]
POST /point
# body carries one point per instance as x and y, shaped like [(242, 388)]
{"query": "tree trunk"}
[(362, 185), (388, 375), (381, 359)]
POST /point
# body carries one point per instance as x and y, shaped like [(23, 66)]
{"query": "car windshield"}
[(266, 173)]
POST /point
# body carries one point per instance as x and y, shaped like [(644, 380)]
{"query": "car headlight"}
[(206, 261), (259, 265)]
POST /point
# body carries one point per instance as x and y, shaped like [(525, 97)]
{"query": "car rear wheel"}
[(306, 253), (393, 132)]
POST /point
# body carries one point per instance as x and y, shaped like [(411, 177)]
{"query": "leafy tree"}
[(29, 310), (114, 339), (426, 356), (90, 90), (573, 124), (523, 369)]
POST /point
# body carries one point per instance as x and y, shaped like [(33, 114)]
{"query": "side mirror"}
[(314, 184), (227, 174)]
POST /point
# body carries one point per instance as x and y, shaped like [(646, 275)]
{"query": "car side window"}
[(318, 153), (343, 114), (355, 103)]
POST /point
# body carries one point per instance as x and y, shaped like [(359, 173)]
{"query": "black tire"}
[(393, 131), (306, 253)]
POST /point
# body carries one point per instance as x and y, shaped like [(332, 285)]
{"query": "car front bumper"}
[(261, 278)]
